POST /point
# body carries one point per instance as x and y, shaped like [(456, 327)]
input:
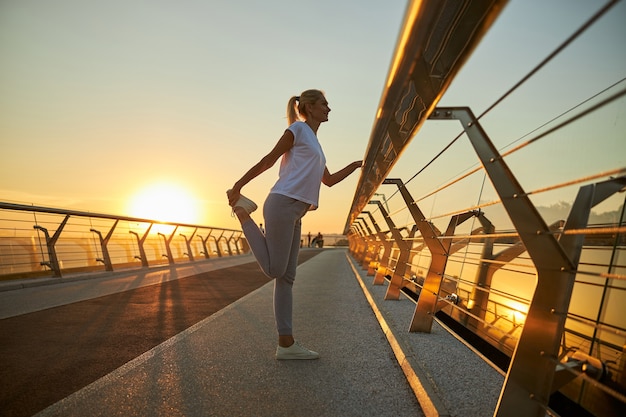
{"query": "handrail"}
[(52, 210), (436, 39)]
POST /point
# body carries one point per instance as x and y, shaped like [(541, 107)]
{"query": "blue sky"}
[(523, 36), (102, 101)]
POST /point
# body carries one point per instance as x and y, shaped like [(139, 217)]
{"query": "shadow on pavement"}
[(47, 355)]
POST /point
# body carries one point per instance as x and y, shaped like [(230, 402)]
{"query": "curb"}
[(426, 395)]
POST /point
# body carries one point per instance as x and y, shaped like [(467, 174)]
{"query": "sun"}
[(166, 202)]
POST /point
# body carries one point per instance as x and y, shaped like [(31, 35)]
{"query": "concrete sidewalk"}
[(225, 366), (448, 376)]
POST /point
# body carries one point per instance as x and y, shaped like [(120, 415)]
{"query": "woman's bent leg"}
[(258, 245), (282, 214), (272, 249)]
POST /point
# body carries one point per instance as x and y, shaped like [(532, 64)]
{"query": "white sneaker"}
[(245, 203), (295, 351)]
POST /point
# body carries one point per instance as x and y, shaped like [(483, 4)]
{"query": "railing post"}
[(439, 249), (529, 379), (140, 242), (205, 248), (358, 240), (370, 256), (106, 258), (480, 294), (375, 261), (228, 240), (168, 250), (415, 249), (53, 261), (370, 242), (383, 262), (217, 244), (397, 277), (354, 239), (433, 286), (188, 244), (236, 242)]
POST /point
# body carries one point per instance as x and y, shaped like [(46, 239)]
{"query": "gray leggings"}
[(277, 251)]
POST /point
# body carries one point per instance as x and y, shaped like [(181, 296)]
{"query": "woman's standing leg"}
[(283, 292), (283, 284), (283, 226), (277, 254)]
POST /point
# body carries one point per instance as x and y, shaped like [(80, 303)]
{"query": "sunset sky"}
[(125, 106)]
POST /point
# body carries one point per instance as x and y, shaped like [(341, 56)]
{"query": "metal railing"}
[(44, 241), (538, 272)]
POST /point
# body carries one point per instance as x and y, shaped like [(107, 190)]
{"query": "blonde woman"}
[(302, 171)]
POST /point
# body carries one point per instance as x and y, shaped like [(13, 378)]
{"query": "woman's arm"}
[(284, 144), (332, 179)]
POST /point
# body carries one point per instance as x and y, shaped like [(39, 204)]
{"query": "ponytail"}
[(292, 113)]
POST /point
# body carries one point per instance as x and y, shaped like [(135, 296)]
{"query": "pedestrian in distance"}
[(319, 240), (302, 171)]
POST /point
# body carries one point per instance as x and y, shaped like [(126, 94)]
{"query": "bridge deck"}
[(224, 364)]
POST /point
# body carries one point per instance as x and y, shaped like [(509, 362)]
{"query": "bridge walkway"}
[(223, 365)]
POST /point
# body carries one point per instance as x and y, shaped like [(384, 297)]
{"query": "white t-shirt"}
[(302, 167)]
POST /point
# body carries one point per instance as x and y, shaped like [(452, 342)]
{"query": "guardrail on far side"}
[(44, 241)]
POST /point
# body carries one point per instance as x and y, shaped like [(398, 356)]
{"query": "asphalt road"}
[(47, 355)]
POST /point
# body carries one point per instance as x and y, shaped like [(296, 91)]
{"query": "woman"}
[(302, 170)]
